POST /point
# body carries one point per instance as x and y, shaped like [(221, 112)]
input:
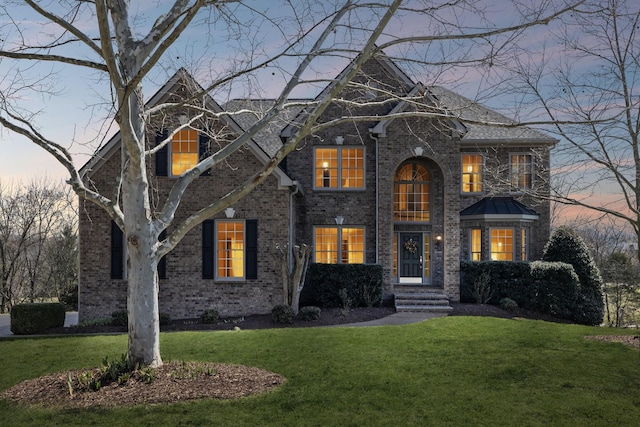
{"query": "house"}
[(413, 193)]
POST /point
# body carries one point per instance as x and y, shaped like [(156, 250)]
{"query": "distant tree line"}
[(38, 244)]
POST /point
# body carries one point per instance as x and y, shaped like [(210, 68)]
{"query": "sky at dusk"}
[(74, 117)]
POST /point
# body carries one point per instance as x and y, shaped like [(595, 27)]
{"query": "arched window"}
[(411, 193)]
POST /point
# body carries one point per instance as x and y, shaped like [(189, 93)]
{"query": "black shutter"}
[(162, 155), (208, 245), (203, 151), (117, 252), (162, 264), (251, 251)]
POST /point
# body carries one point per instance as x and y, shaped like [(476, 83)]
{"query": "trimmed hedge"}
[(545, 287), (362, 282), (508, 280), (28, 319)]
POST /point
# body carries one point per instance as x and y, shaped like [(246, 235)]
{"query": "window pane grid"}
[(339, 245), (327, 167), (352, 168), (411, 194), (353, 245), (476, 245), (184, 151), (339, 168), (326, 246), (472, 173), (521, 171), (524, 243), (230, 256), (502, 244)]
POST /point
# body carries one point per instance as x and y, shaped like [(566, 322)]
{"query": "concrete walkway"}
[(393, 319), (71, 318), (403, 318)]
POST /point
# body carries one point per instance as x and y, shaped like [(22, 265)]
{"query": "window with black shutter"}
[(230, 249), (162, 264), (162, 155), (117, 252)]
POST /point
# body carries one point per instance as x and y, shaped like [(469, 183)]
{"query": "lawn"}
[(447, 371)]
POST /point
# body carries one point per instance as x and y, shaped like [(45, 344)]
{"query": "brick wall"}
[(185, 293)]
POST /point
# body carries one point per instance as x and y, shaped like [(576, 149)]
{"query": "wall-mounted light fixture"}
[(230, 212), (339, 220), (326, 175), (339, 139), (438, 240), (417, 151)]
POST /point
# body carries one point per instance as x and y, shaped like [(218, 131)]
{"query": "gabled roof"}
[(461, 111), (380, 129), (466, 109), (498, 209), (162, 95), (267, 138), (385, 62)]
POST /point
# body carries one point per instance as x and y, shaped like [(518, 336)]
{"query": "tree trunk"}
[(142, 240), (142, 302)]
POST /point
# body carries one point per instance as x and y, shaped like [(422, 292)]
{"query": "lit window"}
[(230, 249), (476, 244), (524, 245), (344, 245), (521, 172), (502, 244), (339, 168), (472, 173), (184, 151), (411, 193)]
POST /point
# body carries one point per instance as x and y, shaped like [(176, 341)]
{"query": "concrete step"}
[(423, 308), (418, 299)]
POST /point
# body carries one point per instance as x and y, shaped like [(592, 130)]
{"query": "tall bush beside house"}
[(566, 246), (557, 289)]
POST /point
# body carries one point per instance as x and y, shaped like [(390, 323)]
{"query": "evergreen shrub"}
[(565, 245), (28, 319), (310, 312), (120, 318), (363, 284), (282, 314), (210, 316)]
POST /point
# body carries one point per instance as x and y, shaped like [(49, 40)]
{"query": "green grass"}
[(456, 371)]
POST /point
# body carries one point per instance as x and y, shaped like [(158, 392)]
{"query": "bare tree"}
[(30, 216), (123, 50), (590, 94)]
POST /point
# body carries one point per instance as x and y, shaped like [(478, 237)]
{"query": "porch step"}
[(415, 300)]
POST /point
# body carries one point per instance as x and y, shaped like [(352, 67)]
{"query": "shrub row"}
[(545, 287), (28, 319), (337, 285)]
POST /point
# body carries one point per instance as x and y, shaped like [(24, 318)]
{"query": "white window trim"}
[(215, 251), (482, 174), (339, 150)]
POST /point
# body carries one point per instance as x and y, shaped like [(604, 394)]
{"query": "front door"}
[(411, 257)]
